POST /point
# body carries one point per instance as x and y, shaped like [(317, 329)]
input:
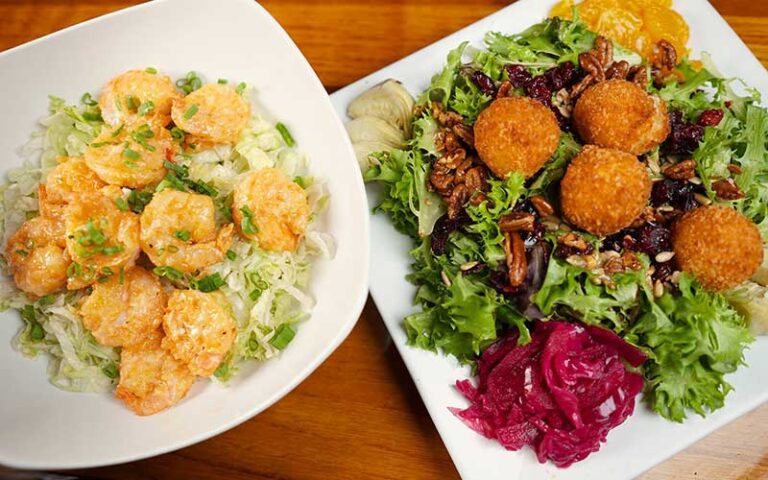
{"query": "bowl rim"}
[(360, 295)]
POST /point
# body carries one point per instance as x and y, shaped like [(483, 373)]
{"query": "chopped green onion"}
[(283, 336), (231, 255), (303, 182), (222, 371), (191, 111), (177, 134), (73, 270), (255, 294), (146, 107), (170, 273), (223, 81), (122, 204), (131, 102), (287, 138), (121, 277), (139, 199), (151, 70), (110, 370), (47, 300), (21, 252), (112, 250), (209, 283), (190, 83), (181, 170), (246, 224), (241, 88), (131, 154), (182, 235), (37, 333), (99, 144), (118, 130), (87, 99), (171, 181)]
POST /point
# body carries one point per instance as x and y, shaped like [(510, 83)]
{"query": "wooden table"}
[(359, 415)]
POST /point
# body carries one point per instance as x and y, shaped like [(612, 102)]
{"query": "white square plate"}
[(42, 427), (645, 439)]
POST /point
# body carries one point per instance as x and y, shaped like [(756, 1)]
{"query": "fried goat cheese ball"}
[(604, 190), (619, 114), (719, 246), (516, 134)]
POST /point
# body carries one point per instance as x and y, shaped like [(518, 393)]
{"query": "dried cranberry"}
[(561, 76), (484, 83), (565, 251), (653, 239), (499, 281), (527, 207), (539, 89), (710, 118), (519, 77), (677, 193), (443, 229), (684, 137), (663, 270), (536, 235)]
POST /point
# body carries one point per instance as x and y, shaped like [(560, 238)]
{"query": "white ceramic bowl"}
[(42, 427)]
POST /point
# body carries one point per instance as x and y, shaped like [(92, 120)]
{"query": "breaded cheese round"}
[(619, 114), (516, 134), (604, 190), (719, 246)]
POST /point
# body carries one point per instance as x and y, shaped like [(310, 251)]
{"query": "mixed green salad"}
[(692, 337)]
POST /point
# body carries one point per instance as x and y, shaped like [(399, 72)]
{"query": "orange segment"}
[(635, 24)]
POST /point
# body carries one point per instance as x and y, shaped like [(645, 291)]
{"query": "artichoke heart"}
[(389, 101), (751, 300)]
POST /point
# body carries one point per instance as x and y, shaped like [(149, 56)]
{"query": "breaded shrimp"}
[(213, 113), (151, 380), (199, 329), (131, 156), (69, 178), (137, 96), (178, 229), (100, 239), (268, 206), (38, 257), (126, 308)]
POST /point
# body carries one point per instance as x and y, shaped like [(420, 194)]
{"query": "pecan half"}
[(630, 261), (603, 51), (465, 133), (517, 263), (504, 89), (681, 170), (618, 70), (446, 141), (734, 169), (574, 241), (542, 206), (456, 200), (592, 65), (638, 74), (517, 222), (726, 189), (446, 119), (475, 179)]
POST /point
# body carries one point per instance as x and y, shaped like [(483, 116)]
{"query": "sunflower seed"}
[(664, 257)]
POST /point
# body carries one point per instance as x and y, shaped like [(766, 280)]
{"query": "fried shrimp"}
[(131, 156), (719, 246), (199, 329), (137, 96), (213, 113), (178, 229), (619, 114), (101, 239), (604, 190), (269, 207), (516, 134), (125, 309), (69, 178), (38, 257), (151, 380)]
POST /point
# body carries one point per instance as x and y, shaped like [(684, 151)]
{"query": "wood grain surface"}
[(359, 416)]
